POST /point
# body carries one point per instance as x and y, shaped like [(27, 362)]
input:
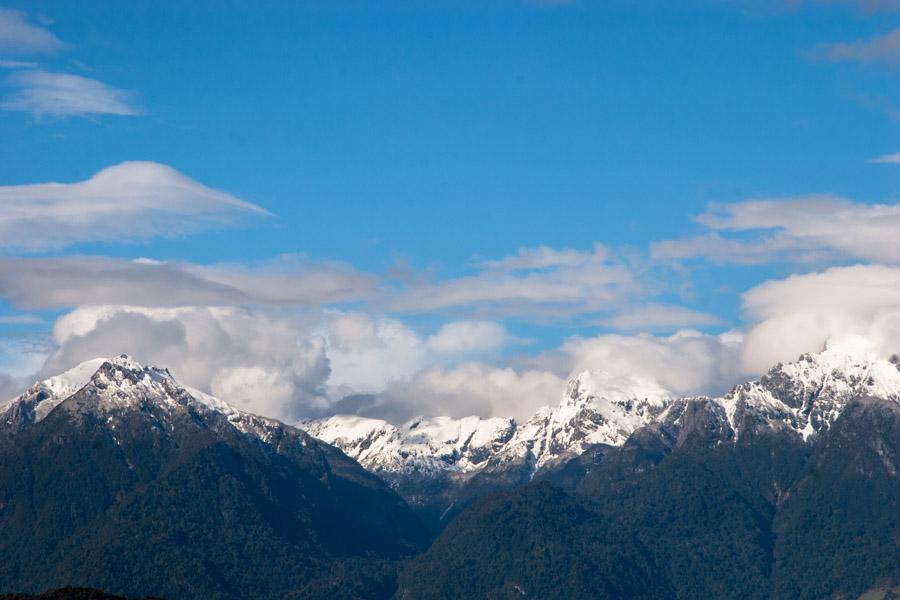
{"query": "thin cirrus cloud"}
[(58, 95), (539, 282), (658, 317), (804, 229), (19, 36), (143, 199), (17, 64), (880, 50), (67, 281), (887, 159)]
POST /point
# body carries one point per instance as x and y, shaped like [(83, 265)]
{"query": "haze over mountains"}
[(115, 475)]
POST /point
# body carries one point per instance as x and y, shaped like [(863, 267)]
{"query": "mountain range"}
[(115, 475), (456, 459)]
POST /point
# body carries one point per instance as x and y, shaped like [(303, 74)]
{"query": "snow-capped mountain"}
[(113, 475), (117, 387), (803, 397)]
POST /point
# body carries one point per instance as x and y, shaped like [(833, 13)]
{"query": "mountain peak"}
[(106, 384), (598, 407)]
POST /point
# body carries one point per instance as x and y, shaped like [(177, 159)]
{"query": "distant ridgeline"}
[(115, 476)]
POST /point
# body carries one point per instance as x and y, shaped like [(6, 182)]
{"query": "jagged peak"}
[(118, 380)]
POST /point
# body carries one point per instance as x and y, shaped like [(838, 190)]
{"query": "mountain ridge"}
[(139, 485), (801, 397)]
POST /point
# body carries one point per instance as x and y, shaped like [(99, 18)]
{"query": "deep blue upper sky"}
[(459, 129), (434, 135)]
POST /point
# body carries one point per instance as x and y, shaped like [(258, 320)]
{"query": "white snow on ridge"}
[(423, 444), (805, 397), (120, 383), (596, 408)]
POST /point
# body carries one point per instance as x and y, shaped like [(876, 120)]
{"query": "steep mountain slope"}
[(440, 464), (532, 542), (764, 515), (138, 485)]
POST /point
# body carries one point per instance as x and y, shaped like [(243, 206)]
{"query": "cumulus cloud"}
[(258, 361), (883, 49), (469, 389), (312, 363), (536, 281), (123, 203), (370, 354), (685, 363), (800, 313), (804, 229), (285, 365), (17, 35), (57, 95)]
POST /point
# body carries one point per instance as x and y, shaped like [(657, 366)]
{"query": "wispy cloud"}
[(17, 64), (887, 159), (883, 50), (803, 229), (142, 199), (535, 281), (19, 36), (68, 281), (658, 317), (21, 320), (59, 95)]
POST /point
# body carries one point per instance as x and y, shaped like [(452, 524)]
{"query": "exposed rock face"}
[(801, 398)]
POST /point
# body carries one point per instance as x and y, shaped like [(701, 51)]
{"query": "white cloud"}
[(542, 257), (538, 281), (685, 363), (19, 36), (802, 229), (310, 363), (58, 95), (799, 314), (17, 64), (69, 281), (470, 389), (284, 365), (887, 159), (123, 203), (20, 320), (370, 354), (258, 361), (469, 336), (658, 317), (883, 49)]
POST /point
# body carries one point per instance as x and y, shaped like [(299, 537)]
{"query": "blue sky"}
[(406, 149)]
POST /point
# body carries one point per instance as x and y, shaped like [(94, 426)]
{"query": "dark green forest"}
[(764, 517)]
